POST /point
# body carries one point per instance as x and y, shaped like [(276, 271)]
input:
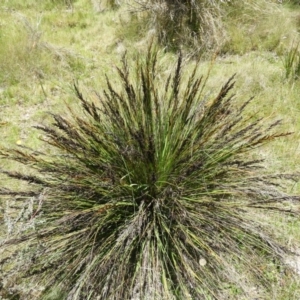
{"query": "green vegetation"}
[(164, 189), (291, 62), (212, 25)]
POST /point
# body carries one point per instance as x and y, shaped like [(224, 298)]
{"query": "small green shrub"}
[(151, 194)]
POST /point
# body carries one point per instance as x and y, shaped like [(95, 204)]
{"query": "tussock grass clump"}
[(291, 62), (150, 195), (192, 23), (208, 25)]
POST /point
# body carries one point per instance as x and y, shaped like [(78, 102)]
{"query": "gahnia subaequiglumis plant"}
[(148, 195)]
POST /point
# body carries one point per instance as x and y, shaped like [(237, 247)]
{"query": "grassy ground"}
[(46, 47)]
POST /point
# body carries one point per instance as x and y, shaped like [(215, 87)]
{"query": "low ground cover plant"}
[(150, 194)]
